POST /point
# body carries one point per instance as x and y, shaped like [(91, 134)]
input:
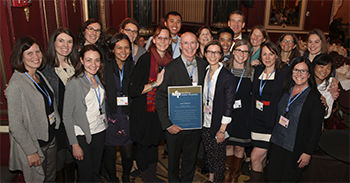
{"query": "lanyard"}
[(191, 72), (121, 75), (261, 87), (133, 49), (209, 83), (290, 97), (44, 92), (240, 80), (98, 95)]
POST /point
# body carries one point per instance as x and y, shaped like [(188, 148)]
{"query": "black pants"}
[(89, 167), (110, 157), (281, 166), (146, 155)]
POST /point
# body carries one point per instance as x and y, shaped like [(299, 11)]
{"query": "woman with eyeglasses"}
[(218, 98), (145, 127), (131, 28), (33, 114), (298, 124), (266, 92), (204, 35), (90, 33), (288, 47), (240, 67)]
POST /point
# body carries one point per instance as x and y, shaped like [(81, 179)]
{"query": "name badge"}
[(52, 118), (237, 104), (259, 105), (122, 101), (207, 109), (284, 121), (102, 118), (194, 83)]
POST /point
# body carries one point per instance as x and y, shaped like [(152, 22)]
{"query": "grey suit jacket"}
[(175, 75), (74, 107), (27, 123)]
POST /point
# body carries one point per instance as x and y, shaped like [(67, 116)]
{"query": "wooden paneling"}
[(191, 11)]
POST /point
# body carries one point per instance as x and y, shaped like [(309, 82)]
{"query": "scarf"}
[(65, 75), (156, 63)]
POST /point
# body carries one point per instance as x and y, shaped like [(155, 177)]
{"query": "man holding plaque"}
[(186, 70)]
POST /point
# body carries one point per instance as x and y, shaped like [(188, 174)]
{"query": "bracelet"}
[(221, 132), (153, 84)]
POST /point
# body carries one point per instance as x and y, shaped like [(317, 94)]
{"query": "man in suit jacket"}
[(236, 23), (186, 70)]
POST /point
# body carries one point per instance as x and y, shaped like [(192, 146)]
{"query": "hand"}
[(77, 152), (333, 89), (160, 77), (304, 160), (5, 91), (174, 129), (220, 137), (34, 160), (255, 62), (324, 101)]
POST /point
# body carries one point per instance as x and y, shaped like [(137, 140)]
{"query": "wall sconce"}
[(23, 4)]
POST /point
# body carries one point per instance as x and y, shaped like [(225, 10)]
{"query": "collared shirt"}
[(190, 69), (207, 117), (327, 95), (226, 57), (233, 43), (175, 46), (256, 55)]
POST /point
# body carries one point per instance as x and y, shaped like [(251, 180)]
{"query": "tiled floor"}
[(162, 169)]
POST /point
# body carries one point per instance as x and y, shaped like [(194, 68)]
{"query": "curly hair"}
[(81, 36)]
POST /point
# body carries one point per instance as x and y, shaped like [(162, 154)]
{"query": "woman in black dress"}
[(145, 126), (240, 67)]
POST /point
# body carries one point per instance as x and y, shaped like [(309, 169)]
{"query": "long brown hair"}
[(320, 34), (156, 33), (247, 64), (295, 51), (273, 48)]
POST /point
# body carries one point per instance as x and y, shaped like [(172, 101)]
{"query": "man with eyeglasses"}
[(225, 37), (173, 20), (186, 70)]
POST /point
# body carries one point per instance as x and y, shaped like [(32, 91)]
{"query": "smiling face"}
[(298, 77), (322, 71), (314, 44), (268, 58), (236, 23), (91, 62), (32, 58), (162, 41), (63, 45), (257, 38), (174, 24), (131, 31), (188, 45), (204, 37), (92, 33), (241, 54), (121, 50), (287, 44), (225, 40), (213, 54)]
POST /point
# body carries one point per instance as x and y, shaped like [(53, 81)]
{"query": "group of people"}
[(78, 102)]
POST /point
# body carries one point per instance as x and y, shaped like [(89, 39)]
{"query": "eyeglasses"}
[(91, 30), (162, 38), (302, 71), (287, 41), (216, 53), (245, 52), (131, 31)]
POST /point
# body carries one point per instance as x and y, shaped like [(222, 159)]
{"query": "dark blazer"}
[(224, 99), (175, 75), (309, 125), (276, 95)]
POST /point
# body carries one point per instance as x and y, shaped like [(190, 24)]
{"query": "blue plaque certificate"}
[(185, 106)]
